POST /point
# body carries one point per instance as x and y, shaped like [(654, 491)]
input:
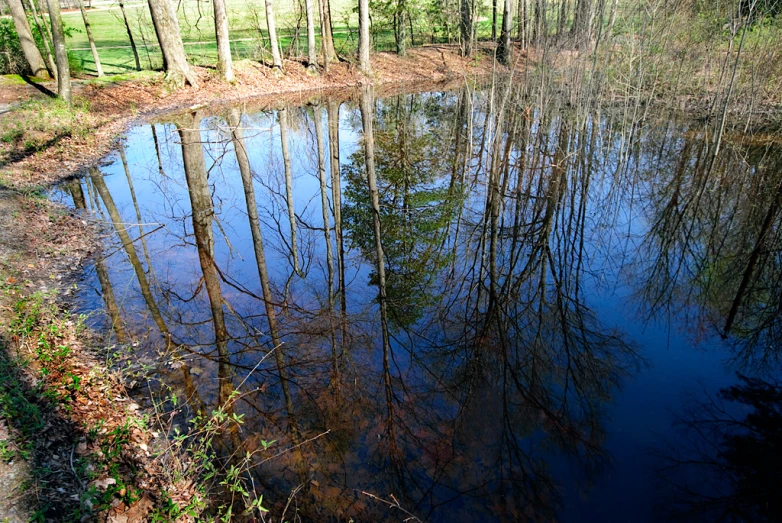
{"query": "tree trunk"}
[(541, 27), (282, 116), (30, 50), (493, 20), (88, 30), (273, 43), (130, 36), (465, 26), (174, 57), (363, 36), (60, 53), (312, 53), (336, 194), (224, 62), (401, 30), (243, 160), (504, 49), (46, 37), (326, 36)]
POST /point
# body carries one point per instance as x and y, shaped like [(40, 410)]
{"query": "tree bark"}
[(60, 53), (30, 50), (273, 43), (130, 36), (401, 30), (224, 62), (326, 36), (170, 38), (504, 49), (312, 53), (465, 27), (363, 37), (88, 30)]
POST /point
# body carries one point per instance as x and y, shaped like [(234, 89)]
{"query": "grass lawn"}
[(247, 24)]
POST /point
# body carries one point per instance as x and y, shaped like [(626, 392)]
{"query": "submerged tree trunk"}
[(312, 53), (224, 62), (363, 36), (88, 30), (273, 43), (46, 37), (174, 57), (130, 36), (30, 50), (60, 53), (504, 49)]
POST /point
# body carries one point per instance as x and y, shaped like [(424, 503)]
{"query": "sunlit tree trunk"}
[(170, 38), (237, 136), (30, 50), (224, 62), (43, 29), (312, 53), (401, 28), (326, 36), (363, 36), (88, 30), (130, 35), (273, 43), (60, 53), (282, 116)]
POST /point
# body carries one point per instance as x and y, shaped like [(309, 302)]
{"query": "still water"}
[(467, 303)]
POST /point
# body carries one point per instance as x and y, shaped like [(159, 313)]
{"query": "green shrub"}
[(12, 60)]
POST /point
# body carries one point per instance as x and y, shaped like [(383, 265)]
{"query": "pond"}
[(476, 305)]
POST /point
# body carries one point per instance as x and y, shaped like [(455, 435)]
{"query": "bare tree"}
[(170, 38), (30, 50), (326, 36), (60, 53), (282, 116), (466, 26), (130, 36), (312, 53), (363, 36), (273, 43), (88, 30), (224, 62)]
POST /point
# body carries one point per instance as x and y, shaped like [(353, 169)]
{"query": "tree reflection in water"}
[(427, 275)]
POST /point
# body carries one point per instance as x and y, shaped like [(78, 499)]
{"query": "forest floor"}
[(72, 443)]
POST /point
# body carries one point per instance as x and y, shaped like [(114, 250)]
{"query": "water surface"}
[(529, 319)]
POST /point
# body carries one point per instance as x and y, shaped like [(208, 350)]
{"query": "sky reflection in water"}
[(554, 290)]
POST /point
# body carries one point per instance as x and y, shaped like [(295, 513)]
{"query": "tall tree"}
[(270, 25), (282, 116), (466, 26), (130, 35), (224, 62), (504, 49), (326, 36), (60, 53), (170, 38), (312, 53), (30, 50), (363, 36), (400, 27), (88, 30)]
